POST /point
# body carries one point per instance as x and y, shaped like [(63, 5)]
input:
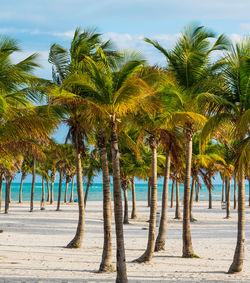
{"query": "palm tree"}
[(125, 87), (66, 65), (91, 166), (172, 146), (189, 61), (235, 72), (26, 168)]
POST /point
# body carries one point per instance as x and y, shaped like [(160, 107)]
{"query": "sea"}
[(95, 192)]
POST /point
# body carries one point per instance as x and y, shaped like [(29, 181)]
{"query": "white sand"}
[(31, 246)]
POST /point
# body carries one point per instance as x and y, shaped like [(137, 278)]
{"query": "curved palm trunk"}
[(187, 251), (149, 190), (121, 268), (235, 188), (76, 242), (48, 190), (148, 254), (177, 207), (21, 187), (106, 265), (192, 200), (33, 185), (125, 195), (161, 238), (197, 192), (172, 196), (86, 194), (43, 195), (59, 190), (238, 259), (72, 190), (1, 190), (7, 188), (228, 197), (223, 191), (133, 213)]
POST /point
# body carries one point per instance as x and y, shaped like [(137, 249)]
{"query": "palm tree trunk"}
[(43, 195), (48, 190), (66, 191), (148, 254), (149, 190), (1, 190), (72, 190), (187, 250), (21, 186), (86, 194), (125, 217), (106, 265), (76, 242), (177, 208), (238, 259), (223, 191), (133, 213), (7, 188), (210, 198), (172, 195), (52, 192), (9, 198), (59, 190), (161, 238), (121, 276), (33, 185), (197, 192), (228, 197), (192, 219), (235, 188)]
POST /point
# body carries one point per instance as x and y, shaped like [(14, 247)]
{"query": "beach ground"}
[(32, 246)]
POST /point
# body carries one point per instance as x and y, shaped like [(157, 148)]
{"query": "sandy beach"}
[(32, 246)]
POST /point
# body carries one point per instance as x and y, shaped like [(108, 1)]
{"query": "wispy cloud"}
[(245, 27)]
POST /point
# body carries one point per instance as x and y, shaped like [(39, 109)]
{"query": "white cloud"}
[(245, 27), (235, 37), (67, 34)]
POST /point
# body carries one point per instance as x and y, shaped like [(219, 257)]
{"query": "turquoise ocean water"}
[(95, 192)]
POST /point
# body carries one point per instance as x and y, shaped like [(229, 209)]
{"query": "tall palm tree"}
[(124, 90), (235, 72), (67, 64), (189, 61)]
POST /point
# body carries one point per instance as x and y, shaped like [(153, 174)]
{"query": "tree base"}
[(106, 268), (159, 246), (133, 216), (145, 258), (125, 222), (193, 219), (235, 268), (190, 255), (73, 245), (177, 217)]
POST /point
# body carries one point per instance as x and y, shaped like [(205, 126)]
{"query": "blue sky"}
[(37, 24)]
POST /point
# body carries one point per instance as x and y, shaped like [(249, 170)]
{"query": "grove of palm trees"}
[(176, 128)]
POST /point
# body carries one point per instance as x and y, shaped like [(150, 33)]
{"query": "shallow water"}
[(95, 192)]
